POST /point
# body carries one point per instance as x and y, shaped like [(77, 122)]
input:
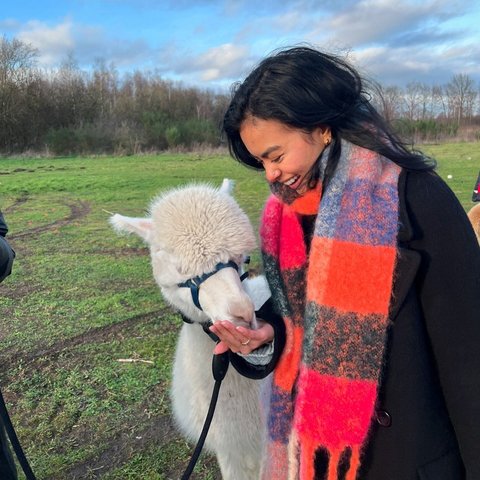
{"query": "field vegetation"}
[(81, 299)]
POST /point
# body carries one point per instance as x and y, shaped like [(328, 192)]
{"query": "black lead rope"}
[(219, 362), (7, 423), (219, 367)]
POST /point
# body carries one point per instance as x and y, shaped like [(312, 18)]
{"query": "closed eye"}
[(262, 161), (273, 160)]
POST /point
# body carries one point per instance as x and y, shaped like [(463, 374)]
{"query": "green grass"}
[(81, 298), (462, 162)]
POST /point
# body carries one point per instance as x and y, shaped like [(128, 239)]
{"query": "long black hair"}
[(305, 88)]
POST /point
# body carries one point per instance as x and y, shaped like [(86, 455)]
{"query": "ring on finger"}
[(246, 342)]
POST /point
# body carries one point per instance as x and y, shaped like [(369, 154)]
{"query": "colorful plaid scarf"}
[(334, 298)]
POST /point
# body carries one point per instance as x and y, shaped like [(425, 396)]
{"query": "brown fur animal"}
[(474, 216)]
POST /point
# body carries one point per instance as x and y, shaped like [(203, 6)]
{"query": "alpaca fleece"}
[(333, 291)]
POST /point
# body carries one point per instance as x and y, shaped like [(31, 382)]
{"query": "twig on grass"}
[(134, 360)]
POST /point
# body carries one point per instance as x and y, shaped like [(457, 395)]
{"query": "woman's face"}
[(287, 154)]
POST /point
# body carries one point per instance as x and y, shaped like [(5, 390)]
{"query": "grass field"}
[(81, 298)]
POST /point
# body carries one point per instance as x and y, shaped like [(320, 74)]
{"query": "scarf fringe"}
[(354, 464), (333, 462)]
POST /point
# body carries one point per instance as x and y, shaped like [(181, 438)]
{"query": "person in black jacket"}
[(7, 465), (375, 277), (6, 252)]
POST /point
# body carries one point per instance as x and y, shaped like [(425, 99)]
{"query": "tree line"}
[(71, 111)]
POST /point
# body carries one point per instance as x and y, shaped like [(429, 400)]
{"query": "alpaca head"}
[(189, 231)]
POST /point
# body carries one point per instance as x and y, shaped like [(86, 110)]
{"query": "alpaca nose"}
[(243, 312)]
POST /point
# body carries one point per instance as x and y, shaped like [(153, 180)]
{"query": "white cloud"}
[(462, 59), (223, 55), (290, 20), (211, 74), (400, 41), (224, 61), (87, 44), (374, 20), (51, 42), (434, 66)]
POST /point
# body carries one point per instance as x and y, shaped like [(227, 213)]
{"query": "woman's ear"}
[(326, 134), (322, 134)]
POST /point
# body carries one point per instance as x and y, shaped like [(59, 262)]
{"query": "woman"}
[(374, 271), (7, 465)]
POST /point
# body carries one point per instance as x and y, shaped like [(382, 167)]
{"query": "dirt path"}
[(122, 447), (9, 358), (17, 203), (78, 209)]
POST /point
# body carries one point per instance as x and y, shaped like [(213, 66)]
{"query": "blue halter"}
[(194, 283)]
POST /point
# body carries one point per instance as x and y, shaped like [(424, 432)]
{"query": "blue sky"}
[(213, 43)]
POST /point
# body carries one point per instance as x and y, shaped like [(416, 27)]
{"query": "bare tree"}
[(105, 87), (438, 102), (388, 101), (16, 61), (69, 93), (412, 100), (461, 95), (17, 71)]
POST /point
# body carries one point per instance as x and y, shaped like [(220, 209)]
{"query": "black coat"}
[(427, 425), (6, 252)]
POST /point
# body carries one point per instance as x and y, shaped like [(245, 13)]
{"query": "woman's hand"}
[(240, 339)]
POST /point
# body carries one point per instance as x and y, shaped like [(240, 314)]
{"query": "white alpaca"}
[(190, 230), (474, 216)]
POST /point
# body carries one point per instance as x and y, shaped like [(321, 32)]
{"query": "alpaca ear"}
[(140, 226), (227, 186)]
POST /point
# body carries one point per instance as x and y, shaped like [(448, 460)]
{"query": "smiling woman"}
[(287, 155), (380, 359)]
